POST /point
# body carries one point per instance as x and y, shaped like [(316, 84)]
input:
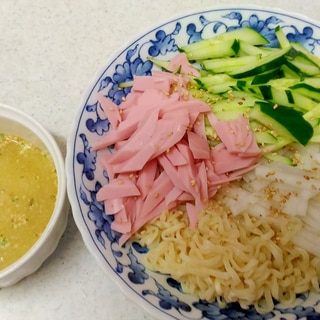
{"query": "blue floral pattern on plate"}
[(158, 293)]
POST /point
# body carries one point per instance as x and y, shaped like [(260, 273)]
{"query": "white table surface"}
[(50, 51)]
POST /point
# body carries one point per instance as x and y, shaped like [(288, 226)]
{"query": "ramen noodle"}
[(227, 258)]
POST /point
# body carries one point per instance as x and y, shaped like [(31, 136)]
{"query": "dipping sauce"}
[(28, 189)]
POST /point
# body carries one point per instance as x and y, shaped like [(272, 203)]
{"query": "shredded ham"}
[(161, 156)]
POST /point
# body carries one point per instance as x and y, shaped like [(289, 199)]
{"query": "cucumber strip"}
[(265, 137), (265, 77), (243, 84), (289, 73), (163, 64), (230, 105), (246, 34), (247, 99), (316, 134), (125, 84), (287, 97), (272, 77), (287, 121), (315, 139), (274, 141), (228, 115), (301, 63), (313, 113), (272, 61), (272, 156), (250, 49), (204, 95), (212, 79), (222, 87), (314, 82), (303, 67), (281, 142), (283, 83), (204, 73), (225, 65), (307, 90), (217, 49), (299, 47), (283, 41), (279, 95)]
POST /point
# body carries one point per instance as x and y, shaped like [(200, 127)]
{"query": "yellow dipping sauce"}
[(28, 189)]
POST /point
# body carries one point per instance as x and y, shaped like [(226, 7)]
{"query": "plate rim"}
[(71, 191)]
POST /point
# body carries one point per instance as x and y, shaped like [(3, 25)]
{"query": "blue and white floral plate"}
[(159, 294)]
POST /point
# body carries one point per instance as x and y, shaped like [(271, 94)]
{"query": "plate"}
[(158, 293)]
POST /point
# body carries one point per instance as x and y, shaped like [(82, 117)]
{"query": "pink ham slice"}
[(181, 62), (226, 161), (175, 156), (147, 176), (236, 136), (161, 156), (160, 187), (198, 145), (118, 188), (122, 132), (159, 83), (110, 109)]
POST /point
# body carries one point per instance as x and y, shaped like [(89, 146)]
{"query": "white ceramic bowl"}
[(13, 121), (158, 293)]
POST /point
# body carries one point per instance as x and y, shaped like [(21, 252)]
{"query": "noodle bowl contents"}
[(218, 172), (28, 188)]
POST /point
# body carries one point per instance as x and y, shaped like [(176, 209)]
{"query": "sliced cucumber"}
[(289, 73), (216, 83), (248, 49), (287, 97), (301, 63), (307, 90), (280, 92), (287, 121), (228, 115), (163, 64), (225, 65), (316, 134), (299, 47), (213, 79), (313, 114), (246, 98), (303, 67), (283, 83), (230, 105), (314, 82), (267, 76), (270, 62), (204, 95), (247, 34), (265, 137), (273, 156), (283, 41), (216, 49), (222, 87)]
